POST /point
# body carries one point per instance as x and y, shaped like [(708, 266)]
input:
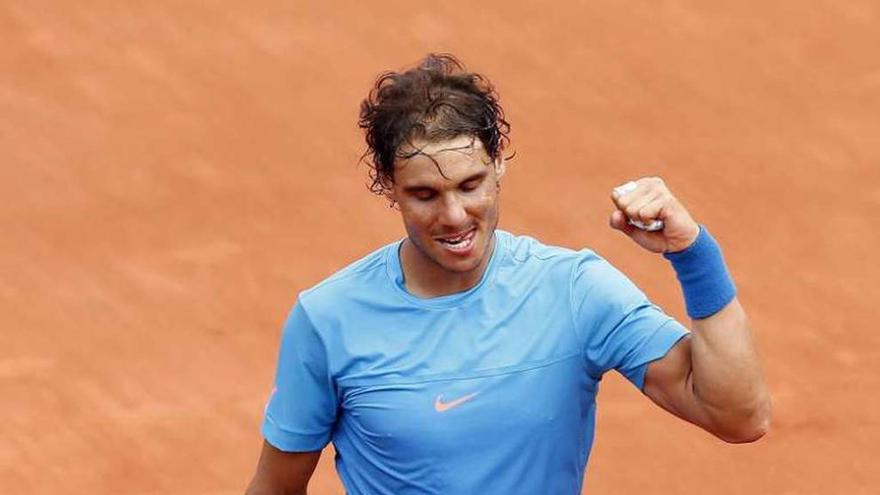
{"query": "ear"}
[(390, 195), (388, 191), (500, 167)]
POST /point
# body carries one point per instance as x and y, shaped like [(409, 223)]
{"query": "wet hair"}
[(437, 100)]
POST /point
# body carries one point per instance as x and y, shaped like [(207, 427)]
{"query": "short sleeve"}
[(620, 328), (302, 408)]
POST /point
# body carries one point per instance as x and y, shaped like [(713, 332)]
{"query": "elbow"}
[(749, 434), (751, 427)]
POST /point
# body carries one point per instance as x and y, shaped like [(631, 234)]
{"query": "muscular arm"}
[(713, 378), (282, 473)]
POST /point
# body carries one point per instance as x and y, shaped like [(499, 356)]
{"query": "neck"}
[(423, 277)]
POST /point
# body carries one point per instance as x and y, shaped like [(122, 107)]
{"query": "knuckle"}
[(657, 184), (663, 186), (651, 183), (631, 211)]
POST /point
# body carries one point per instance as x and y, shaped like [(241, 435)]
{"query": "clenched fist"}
[(646, 203)]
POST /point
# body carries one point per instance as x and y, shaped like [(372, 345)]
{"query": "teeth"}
[(455, 239), (459, 243), (451, 242)]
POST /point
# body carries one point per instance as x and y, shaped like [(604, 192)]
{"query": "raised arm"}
[(283, 473), (712, 378)]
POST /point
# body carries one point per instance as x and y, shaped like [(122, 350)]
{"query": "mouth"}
[(460, 243)]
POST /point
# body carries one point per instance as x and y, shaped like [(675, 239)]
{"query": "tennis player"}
[(464, 359)]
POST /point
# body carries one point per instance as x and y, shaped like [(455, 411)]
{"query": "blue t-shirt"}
[(488, 391)]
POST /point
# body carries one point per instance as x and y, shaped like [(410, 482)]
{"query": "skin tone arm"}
[(712, 378), (283, 473)]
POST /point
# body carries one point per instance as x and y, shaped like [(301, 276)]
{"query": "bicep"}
[(669, 383), (283, 473)]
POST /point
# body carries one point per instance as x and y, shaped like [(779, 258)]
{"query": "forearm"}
[(726, 377), (282, 473), (259, 488), (712, 379)]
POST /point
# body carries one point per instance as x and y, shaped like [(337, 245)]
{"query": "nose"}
[(453, 212)]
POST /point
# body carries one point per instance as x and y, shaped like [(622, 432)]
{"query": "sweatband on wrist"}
[(704, 278)]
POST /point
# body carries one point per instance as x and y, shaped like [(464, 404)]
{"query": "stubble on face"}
[(447, 193)]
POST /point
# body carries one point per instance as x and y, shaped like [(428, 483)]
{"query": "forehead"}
[(439, 161)]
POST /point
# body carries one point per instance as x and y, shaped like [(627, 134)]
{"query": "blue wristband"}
[(704, 278)]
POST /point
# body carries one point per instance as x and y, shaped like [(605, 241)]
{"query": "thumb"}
[(618, 221)]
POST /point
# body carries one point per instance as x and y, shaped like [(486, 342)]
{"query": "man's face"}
[(448, 198)]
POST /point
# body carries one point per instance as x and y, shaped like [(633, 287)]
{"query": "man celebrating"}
[(466, 360)]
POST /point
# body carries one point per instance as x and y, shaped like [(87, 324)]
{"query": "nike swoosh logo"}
[(441, 406)]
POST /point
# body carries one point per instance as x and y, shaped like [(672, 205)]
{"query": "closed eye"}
[(469, 186), (472, 183), (424, 194)]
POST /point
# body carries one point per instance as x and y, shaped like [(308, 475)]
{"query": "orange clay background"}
[(172, 175)]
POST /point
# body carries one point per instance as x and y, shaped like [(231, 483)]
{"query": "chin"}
[(464, 262)]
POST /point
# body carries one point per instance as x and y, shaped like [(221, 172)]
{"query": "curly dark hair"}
[(435, 101)]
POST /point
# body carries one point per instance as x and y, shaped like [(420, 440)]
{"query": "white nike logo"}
[(441, 406)]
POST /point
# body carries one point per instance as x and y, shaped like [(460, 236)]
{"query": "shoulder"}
[(587, 273), (596, 283), (532, 266), (526, 251), (364, 276), (586, 281)]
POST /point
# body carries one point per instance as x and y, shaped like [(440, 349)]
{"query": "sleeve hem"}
[(664, 339), (293, 442)]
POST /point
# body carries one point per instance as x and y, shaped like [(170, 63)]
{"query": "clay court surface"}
[(173, 175)]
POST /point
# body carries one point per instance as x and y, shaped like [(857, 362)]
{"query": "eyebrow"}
[(476, 176)]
